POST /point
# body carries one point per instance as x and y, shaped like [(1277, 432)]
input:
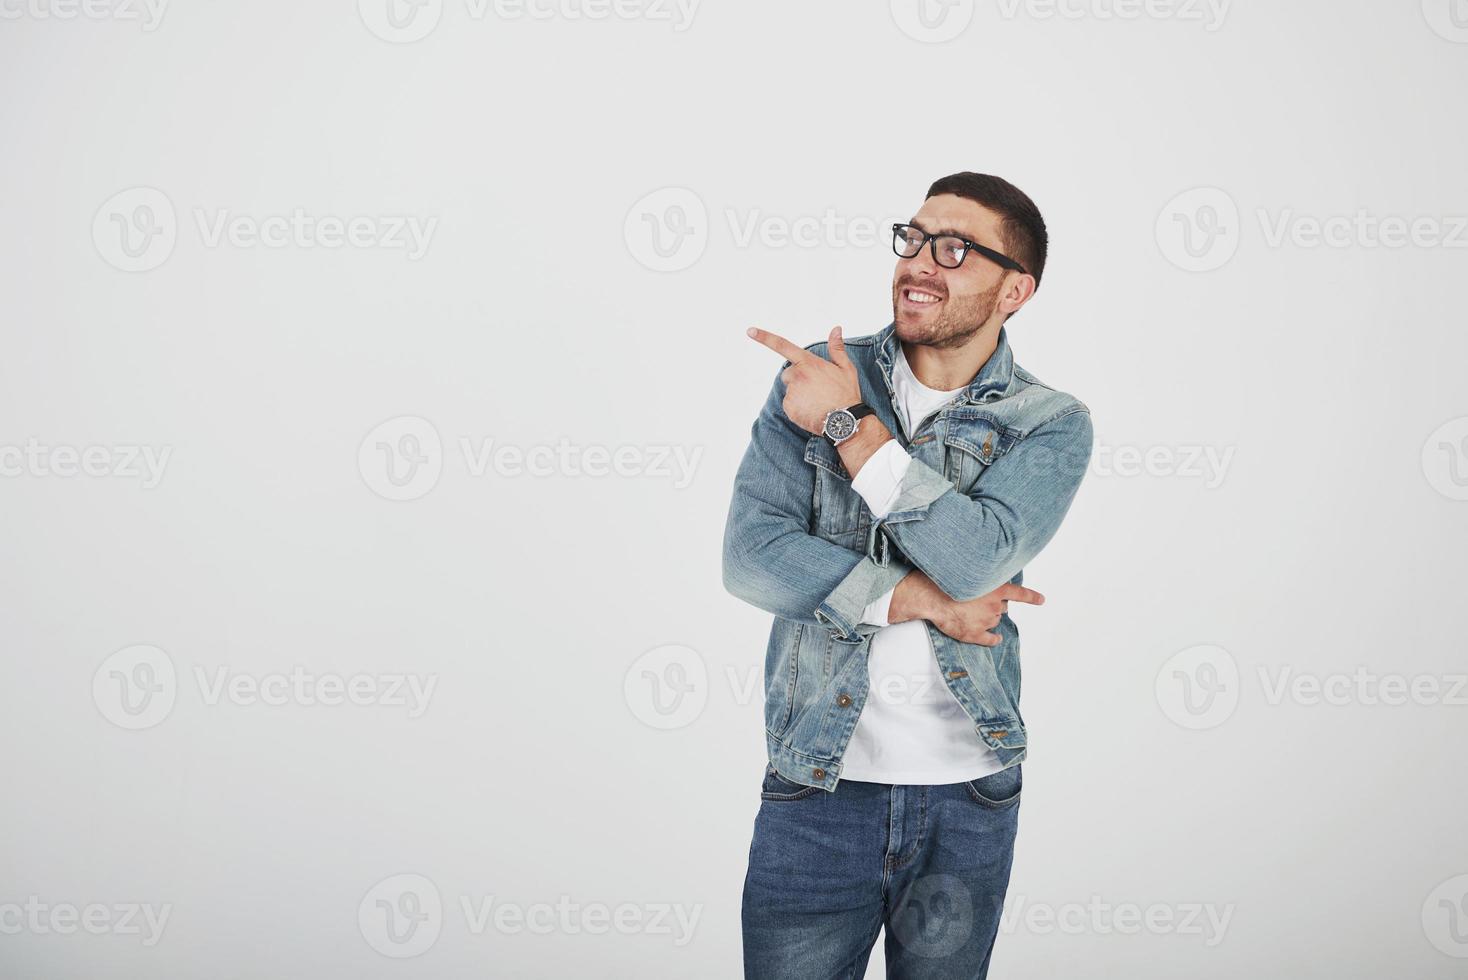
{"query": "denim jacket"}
[(993, 473)]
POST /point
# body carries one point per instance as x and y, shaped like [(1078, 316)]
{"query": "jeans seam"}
[(897, 862)]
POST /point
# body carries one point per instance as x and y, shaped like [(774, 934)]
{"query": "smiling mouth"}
[(920, 297)]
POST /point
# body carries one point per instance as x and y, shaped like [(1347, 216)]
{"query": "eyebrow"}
[(943, 231)]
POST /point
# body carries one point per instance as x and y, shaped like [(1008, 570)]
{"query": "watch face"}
[(840, 424)]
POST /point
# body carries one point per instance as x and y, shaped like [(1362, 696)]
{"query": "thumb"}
[(837, 346)]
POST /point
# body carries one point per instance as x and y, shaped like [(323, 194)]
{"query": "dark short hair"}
[(1022, 227)]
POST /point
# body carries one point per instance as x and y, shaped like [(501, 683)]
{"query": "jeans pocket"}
[(998, 790), (777, 788)]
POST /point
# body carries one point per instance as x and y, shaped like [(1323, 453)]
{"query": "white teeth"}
[(917, 296)]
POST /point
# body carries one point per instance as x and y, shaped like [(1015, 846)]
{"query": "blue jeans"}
[(827, 870)]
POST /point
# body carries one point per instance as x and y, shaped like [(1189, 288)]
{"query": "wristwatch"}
[(841, 423)]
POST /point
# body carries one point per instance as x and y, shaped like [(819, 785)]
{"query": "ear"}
[(1017, 293)]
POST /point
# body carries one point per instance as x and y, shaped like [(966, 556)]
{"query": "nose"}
[(921, 265)]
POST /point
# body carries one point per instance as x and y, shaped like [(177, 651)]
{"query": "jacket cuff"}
[(921, 485), (842, 610)]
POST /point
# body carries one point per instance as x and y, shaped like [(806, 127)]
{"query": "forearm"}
[(770, 558), (970, 544), (917, 597), (804, 578)]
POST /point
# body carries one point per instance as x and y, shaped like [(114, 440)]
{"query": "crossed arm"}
[(960, 551), (771, 560), (970, 544)]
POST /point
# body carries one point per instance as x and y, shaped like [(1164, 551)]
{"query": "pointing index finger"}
[(778, 344)]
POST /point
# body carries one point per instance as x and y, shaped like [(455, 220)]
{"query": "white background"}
[(545, 152)]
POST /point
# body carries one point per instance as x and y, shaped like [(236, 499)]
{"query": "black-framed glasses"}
[(949, 251)]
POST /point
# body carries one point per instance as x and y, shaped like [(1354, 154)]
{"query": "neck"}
[(947, 368)]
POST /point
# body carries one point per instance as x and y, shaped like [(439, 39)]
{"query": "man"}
[(894, 487)]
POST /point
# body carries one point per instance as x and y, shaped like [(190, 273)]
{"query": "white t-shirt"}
[(912, 729)]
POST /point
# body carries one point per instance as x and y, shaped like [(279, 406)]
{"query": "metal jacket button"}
[(818, 773), (844, 700)]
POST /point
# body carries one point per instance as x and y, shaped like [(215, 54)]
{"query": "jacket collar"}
[(994, 378)]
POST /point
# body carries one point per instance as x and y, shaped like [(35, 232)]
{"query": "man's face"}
[(967, 297)]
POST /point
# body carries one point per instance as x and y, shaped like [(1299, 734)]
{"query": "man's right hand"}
[(917, 597)]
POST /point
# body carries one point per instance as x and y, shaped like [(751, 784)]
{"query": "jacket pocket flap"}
[(982, 442)]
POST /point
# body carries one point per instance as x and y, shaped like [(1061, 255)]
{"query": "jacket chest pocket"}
[(838, 513), (971, 445)]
